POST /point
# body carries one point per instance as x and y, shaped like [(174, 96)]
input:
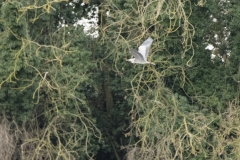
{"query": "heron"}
[(141, 55)]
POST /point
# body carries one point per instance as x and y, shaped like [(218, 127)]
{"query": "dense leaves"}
[(65, 95), (44, 73)]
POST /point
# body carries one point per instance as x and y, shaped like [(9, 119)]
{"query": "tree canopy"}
[(65, 94)]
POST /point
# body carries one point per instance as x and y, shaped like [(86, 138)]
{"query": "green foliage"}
[(13, 64), (128, 24), (67, 91), (188, 124), (45, 71)]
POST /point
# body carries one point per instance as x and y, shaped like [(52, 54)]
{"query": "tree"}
[(44, 77), (178, 107), (62, 92)]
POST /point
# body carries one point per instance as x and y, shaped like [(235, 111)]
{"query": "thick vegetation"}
[(66, 95)]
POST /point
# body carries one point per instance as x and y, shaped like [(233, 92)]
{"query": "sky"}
[(90, 23)]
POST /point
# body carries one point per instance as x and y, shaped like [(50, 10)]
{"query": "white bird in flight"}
[(141, 55)]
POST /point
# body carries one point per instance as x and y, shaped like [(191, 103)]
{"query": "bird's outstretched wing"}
[(136, 54), (145, 47)]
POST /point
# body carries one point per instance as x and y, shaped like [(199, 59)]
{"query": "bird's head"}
[(132, 60)]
